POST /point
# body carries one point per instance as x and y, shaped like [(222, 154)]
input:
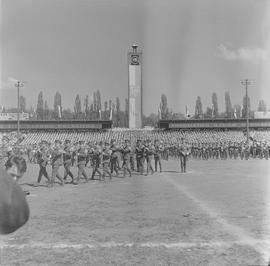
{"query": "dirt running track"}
[(216, 214)]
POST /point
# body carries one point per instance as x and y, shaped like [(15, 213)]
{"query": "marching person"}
[(114, 157), (149, 152), (97, 161), (42, 160), (139, 156), (184, 151), (56, 157), (67, 159), (126, 150), (106, 156), (132, 158), (82, 154)]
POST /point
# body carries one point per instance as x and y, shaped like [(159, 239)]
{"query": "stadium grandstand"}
[(169, 131), (170, 137)]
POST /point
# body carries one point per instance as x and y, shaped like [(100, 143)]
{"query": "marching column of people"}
[(118, 158), (105, 159)]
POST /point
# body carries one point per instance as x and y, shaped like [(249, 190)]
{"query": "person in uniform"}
[(74, 153), (82, 154), (149, 152), (67, 159), (126, 150), (106, 157), (260, 150), (114, 157), (254, 149), (265, 150), (159, 148), (184, 151), (166, 151), (139, 156), (132, 158), (42, 160), (56, 160), (242, 150), (97, 161)]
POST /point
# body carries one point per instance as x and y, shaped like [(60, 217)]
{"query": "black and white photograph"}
[(135, 132)]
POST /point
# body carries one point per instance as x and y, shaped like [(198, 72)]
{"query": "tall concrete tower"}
[(135, 87)]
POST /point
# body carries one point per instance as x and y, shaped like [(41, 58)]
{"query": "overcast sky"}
[(190, 48)]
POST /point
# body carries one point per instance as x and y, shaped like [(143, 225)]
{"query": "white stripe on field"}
[(176, 245), (260, 246)]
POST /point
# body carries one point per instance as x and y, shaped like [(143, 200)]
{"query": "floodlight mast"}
[(18, 85), (246, 82)]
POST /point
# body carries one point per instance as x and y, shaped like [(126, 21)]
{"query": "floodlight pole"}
[(18, 85), (246, 82)]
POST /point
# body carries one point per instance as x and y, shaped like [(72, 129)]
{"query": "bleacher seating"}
[(170, 136)]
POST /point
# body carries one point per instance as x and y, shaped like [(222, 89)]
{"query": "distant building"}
[(262, 115), (13, 116)]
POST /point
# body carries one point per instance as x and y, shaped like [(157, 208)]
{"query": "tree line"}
[(83, 109), (93, 109), (231, 111)]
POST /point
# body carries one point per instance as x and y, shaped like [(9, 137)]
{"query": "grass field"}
[(215, 214)]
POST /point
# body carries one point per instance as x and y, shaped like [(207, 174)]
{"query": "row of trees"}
[(83, 109), (93, 109), (231, 111)]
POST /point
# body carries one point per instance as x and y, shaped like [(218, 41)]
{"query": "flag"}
[(235, 114), (59, 111), (111, 114), (187, 113)]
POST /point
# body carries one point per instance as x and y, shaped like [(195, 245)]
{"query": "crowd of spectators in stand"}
[(170, 137)]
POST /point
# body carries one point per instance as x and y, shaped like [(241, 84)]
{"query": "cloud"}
[(242, 54)]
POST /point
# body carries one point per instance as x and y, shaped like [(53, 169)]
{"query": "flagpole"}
[(18, 85)]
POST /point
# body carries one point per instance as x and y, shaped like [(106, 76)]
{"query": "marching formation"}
[(121, 157), (231, 150), (105, 159)]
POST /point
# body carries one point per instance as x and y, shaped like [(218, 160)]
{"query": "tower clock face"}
[(135, 60)]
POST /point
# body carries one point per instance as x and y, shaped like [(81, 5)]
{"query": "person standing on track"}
[(184, 151), (159, 148)]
